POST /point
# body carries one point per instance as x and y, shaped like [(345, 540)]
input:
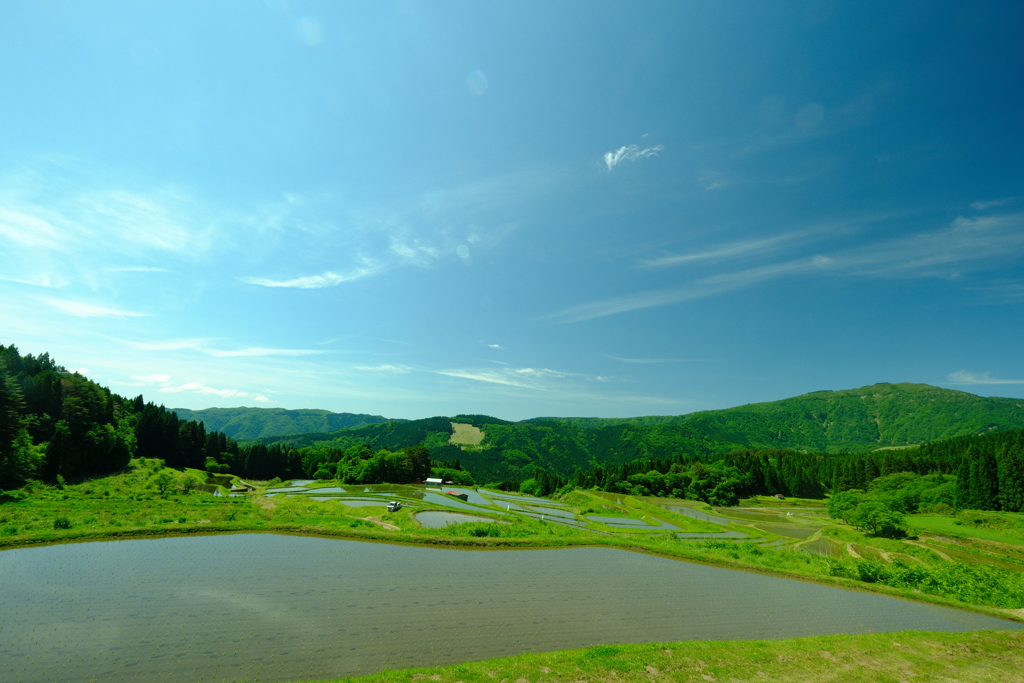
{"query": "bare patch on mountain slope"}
[(465, 435)]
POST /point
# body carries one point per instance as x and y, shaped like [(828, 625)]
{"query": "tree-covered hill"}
[(248, 424), (856, 420), (875, 416)]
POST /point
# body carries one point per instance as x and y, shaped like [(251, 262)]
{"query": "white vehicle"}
[(394, 506)]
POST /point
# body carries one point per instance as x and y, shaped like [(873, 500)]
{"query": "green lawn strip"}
[(904, 656)]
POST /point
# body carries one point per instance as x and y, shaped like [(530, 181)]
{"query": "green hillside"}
[(247, 424), (856, 420), (875, 416)]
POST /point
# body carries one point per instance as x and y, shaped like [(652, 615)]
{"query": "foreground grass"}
[(907, 656)]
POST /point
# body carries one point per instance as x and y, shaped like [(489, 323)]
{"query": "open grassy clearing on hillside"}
[(907, 656), (465, 435)]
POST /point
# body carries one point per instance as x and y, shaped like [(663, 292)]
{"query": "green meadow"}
[(907, 656)]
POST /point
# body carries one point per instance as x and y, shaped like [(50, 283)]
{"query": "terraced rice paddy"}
[(265, 607), (436, 519)]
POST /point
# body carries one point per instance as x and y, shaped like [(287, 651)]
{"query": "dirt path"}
[(853, 553), (386, 525), (938, 552), (265, 503)]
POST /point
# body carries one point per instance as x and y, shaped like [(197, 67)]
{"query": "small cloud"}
[(728, 250), (629, 153), (135, 269), (201, 345), (524, 378), (964, 377), (201, 388), (328, 279), (822, 261), (395, 369), (477, 82), (309, 31), (256, 351), (496, 346), (809, 116), (981, 206), (261, 398), (152, 379), (84, 310), (712, 180)]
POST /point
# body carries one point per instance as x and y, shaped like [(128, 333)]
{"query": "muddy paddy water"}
[(266, 607)]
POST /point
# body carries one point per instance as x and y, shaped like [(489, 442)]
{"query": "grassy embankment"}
[(127, 505), (907, 656)]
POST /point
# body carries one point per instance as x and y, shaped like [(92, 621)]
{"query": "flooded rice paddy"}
[(435, 519), (266, 607)]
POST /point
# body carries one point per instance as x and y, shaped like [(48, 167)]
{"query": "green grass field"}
[(1011, 531), (985, 656)]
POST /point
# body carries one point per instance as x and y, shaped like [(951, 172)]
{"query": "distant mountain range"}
[(248, 424), (877, 416)]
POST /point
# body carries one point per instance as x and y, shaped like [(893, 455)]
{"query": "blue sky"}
[(518, 209)]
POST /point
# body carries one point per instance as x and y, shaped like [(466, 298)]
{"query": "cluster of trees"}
[(719, 480), (360, 464), (880, 509), (57, 425), (989, 469)]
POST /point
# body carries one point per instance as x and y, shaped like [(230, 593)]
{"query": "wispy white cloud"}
[(646, 360), (524, 378), (981, 206), (203, 346), (495, 346), (965, 377), (201, 388), (327, 279), (725, 251), (136, 269), (1002, 292), (967, 244), (386, 368), (28, 230), (630, 153), (80, 309), (251, 351), (261, 398), (629, 302)]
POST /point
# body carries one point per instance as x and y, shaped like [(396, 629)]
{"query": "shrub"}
[(878, 519), (61, 523)]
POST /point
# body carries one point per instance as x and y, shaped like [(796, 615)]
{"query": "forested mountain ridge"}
[(870, 417), (57, 425), (248, 424), (856, 420)]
